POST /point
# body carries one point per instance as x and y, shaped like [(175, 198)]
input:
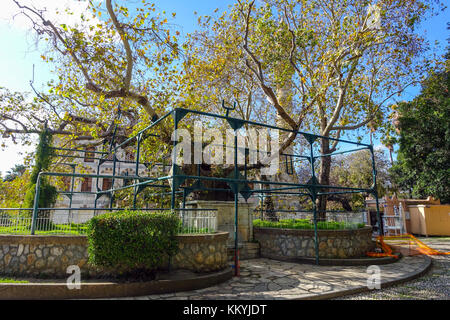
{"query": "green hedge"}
[(132, 241), (306, 224)]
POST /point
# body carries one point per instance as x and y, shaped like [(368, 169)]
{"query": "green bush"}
[(47, 193), (47, 198), (132, 241), (305, 224)]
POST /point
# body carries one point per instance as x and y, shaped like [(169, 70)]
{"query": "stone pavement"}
[(435, 285), (270, 279)]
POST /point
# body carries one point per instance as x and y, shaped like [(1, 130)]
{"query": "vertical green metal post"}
[(375, 191), (138, 150), (72, 182), (236, 209), (96, 185), (316, 236), (36, 204), (174, 176), (313, 198), (111, 200), (174, 159)]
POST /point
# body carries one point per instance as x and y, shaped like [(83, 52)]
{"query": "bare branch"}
[(259, 71), (123, 92), (126, 45), (372, 116)]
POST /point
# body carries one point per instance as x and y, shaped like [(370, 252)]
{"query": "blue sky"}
[(19, 52)]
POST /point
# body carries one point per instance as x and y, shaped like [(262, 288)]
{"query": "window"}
[(89, 155), (107, 184), (86, 185)]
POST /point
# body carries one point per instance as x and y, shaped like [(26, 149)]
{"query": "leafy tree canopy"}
[(17, 171), (355, 170), (423, 163), (12, 192), (321, 66)]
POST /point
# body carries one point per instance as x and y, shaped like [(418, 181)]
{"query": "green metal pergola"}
[(238, 183)]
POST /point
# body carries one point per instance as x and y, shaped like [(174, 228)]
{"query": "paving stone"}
[(269, 279), (433, 286)]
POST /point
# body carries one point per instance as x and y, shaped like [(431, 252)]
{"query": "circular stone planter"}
[(295, 244), (179, 280), (49, 256)]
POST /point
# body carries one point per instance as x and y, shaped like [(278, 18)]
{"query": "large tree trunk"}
[(345, 203), (324, 178)]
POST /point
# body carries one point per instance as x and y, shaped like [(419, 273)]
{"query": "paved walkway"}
[(435, 285), (270, 279)]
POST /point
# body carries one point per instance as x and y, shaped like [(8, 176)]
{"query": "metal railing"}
[(14, 224), (48, 221), (73, 221), (334, 219), (198, 220)]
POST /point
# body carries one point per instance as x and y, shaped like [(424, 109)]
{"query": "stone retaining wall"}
[(289, 244), (49, 256), (201, 253)]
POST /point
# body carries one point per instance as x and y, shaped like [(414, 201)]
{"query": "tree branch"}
[(259, 72), (125, 43)]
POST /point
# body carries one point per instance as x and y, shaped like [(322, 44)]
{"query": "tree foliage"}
[(355, 170), (340, 62), (122, 61), (12, 192), (48, 193), (423, 163), (17, 171)]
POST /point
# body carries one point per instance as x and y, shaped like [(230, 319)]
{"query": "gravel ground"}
[(435, 285)]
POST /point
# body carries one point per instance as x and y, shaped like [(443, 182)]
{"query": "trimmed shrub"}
[(305, 224), (132, 241)]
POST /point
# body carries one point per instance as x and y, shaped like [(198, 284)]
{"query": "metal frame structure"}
[(238, 183)]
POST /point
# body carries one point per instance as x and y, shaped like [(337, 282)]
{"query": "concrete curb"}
[(384, 284), (91, 290)]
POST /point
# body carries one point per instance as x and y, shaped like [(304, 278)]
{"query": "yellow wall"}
[(430, 220), (417, 219)]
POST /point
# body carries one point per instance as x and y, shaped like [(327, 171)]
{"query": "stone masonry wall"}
[(42, 256), (288, 244), (49, 256), (201, 253)]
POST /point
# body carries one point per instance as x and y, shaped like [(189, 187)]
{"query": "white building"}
[(84, 189)]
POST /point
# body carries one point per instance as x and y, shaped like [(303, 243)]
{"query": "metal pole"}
[(236, 209), (96, 186), (174, 175), (313, 198), (375, 191), (113, 180), (72, 182), (316, 236), (36, 204), (184, 207), (138, 149), (174, 159)]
